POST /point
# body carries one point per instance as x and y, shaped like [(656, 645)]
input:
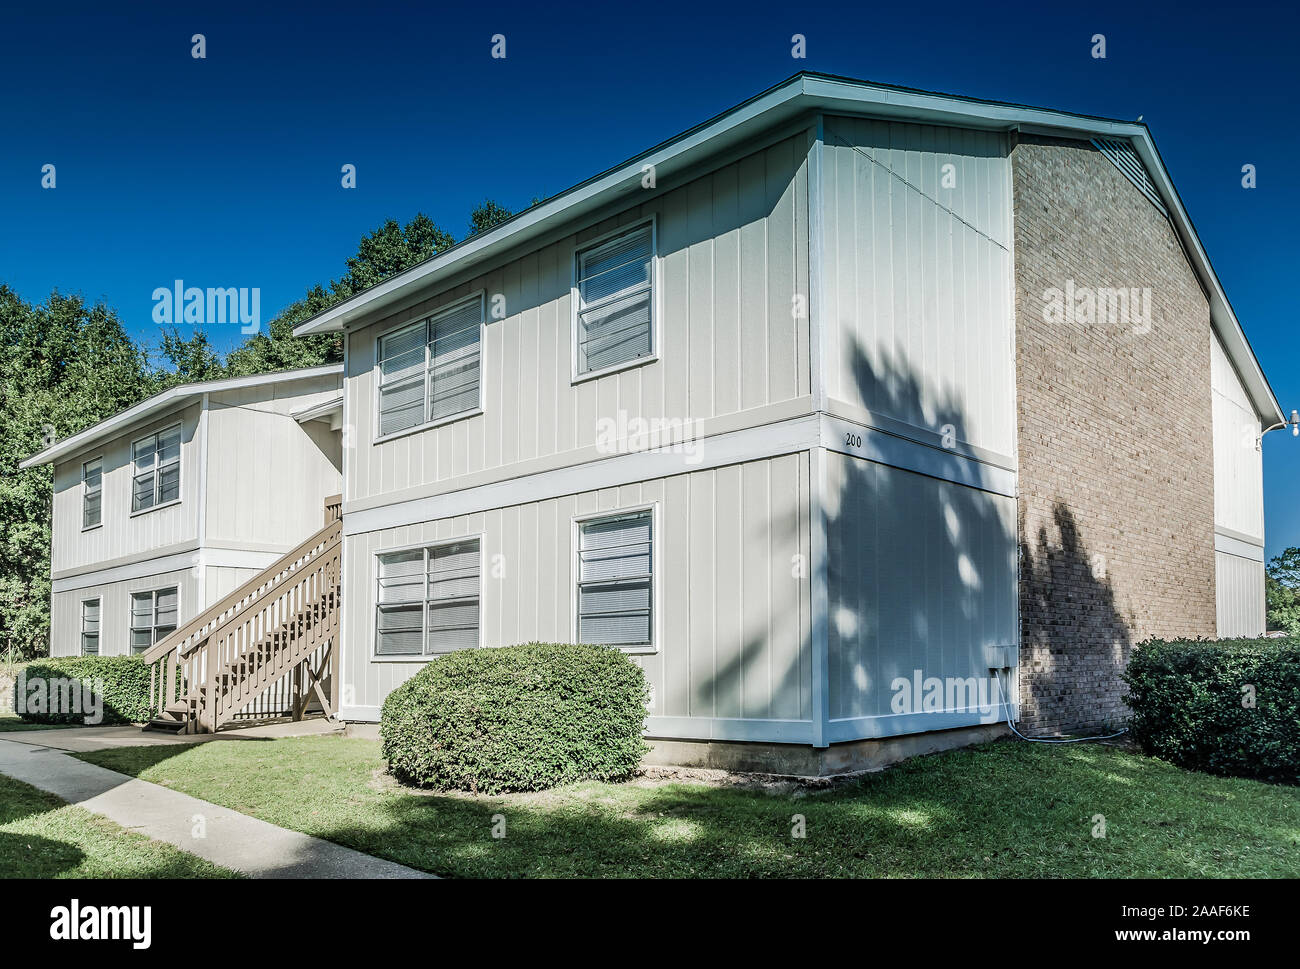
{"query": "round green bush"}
[(517, 718), (1228, 706)]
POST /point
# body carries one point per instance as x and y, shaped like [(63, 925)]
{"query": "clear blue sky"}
[(225, 171)]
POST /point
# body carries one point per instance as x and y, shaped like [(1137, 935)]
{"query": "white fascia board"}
[(811, 93), (316, 412), (184, 394), (678, 154), (1226, 324)]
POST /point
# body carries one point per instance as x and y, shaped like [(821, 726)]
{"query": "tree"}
[(63, 367), (386, 251), (191, 360), (486, 215), (1282, 592)]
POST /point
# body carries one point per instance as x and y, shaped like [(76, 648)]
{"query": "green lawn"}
[(1000, 810), (43, 837), (11, 722)]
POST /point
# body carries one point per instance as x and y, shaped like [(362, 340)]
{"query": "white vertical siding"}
[(918, 279), (115, 611), (1240, 586), (1238, 464), (268, 475), (922, 576), (123, 534), (733, 255), (734, 623)]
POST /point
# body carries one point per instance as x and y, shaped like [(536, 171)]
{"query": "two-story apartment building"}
[(165, 508), (836, 392), (860, 417)]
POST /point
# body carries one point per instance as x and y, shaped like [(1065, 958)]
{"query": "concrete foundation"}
[(802, 760), (798, 760)]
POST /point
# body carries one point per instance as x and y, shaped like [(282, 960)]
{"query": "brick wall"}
[(1116, 459)]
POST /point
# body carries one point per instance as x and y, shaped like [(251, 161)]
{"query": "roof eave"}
[(798, 95), (179, 395)]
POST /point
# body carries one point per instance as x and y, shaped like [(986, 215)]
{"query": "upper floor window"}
[(614, 302), (616, 580), (429, 371), (428, 600), (90, 627), (156, 460), (92, 482), (153, 616)]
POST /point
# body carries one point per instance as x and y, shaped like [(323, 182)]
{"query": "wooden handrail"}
[(252, 590)]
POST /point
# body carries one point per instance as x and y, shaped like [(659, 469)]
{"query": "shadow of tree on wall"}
[(916, 564), (1074, 637)]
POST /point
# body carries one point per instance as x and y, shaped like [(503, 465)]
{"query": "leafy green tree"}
[(64, 366), (382, 253), (486, 215), (1282, 592), (190, 360)]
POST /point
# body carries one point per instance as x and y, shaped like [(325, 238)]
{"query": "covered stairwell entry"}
[(278, 632)]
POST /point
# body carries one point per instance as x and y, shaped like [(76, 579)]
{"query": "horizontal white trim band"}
[(771, 440), (899, 724), (750, 444), (1235, 546), (899, 452), (213, 558)]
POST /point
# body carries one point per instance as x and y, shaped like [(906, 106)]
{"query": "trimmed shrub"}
[(517, 718), (1228, 706), (124, 694)]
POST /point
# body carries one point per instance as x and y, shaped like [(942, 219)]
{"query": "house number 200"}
[(853, 440)]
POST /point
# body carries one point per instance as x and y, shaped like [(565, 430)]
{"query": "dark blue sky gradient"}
[(225, 171)]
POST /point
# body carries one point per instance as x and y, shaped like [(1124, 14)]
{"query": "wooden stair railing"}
[(283, 622)]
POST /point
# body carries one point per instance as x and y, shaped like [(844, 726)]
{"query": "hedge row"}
[(517, 718), (119, 683), (1228, 706)]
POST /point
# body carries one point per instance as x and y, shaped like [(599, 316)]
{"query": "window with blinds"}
[(428, 600), (92, 483), (615, 301), (153, 616), (156, 467), (90, 627), (429, 371), (616, 580)]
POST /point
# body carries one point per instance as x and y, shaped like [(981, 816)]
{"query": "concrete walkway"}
[(86, 739), (231, 839)]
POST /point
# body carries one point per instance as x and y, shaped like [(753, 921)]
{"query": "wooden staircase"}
[(275, 634)]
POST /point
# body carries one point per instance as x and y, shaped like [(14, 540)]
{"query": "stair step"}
[(165, 726)]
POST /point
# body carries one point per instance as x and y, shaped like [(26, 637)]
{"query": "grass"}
[(11, 723), (43, 837), (1006, 809)]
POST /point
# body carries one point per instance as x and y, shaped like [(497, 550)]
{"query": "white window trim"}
[(656, 573), (656, 297), (84, 495), (477, 411), (180, 471), (374, 587), (81, 639), (130, 614)]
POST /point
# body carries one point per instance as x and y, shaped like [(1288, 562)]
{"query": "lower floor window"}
[(153, 617), (90, 627), (428, 600), (616, 580)]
